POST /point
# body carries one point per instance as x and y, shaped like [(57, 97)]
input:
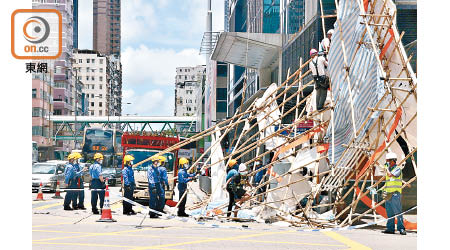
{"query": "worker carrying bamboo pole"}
[(393, 194), (322, 82)]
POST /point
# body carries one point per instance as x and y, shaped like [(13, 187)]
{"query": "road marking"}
[(49, 206), (82, 244), (46, 225), (209, 240), (352, 244), (88, 234), (291, 242)]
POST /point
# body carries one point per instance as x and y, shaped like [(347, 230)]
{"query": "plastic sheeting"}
[(264, 121), (218, 171)]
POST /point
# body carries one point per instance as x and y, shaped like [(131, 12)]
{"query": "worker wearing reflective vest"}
[(393, 193)]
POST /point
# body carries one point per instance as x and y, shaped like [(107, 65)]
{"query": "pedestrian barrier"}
[(106, 210), (40, 195), (57, 192)]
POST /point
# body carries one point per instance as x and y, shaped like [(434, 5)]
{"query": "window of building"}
[(37, 130), (80, 60), (100, 113), (221, 94), (92, 104), (101, 70), (221, 107), (92, 78), (188, 108), (92, 95), (87, 78), (93, 86), (93, 60), (185, 77), (100, 95), (88, 60), (101, 86), (101, 61), (92, 112), (34, 92), (57, 112), (37, 112), (100, 104), (100, 78)]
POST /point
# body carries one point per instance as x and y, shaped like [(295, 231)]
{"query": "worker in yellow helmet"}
[(128, 184), (97, 182), (183, 178), (164, 183), (79, 194), (232, 173)]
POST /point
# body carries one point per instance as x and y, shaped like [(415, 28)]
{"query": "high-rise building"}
[(255, 17), (75, 24), (114, 84), (188, 90), (42, 103), (100, 87), (60, 75), (106, 22)]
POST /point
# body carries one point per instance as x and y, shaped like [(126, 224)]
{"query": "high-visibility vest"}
[(393, 183)]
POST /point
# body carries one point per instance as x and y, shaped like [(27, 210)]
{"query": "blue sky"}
[(157, 37)]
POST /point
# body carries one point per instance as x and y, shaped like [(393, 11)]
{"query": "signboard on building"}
[(187, 153)]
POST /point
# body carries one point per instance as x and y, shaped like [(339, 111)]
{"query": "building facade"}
[(106, 26), (75, 24), (188, 90), (101, 84), (60, 74), (114, 81), (250, 16), (42, 108)]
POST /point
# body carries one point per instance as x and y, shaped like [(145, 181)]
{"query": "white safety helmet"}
[(242, 168), (391, 156), (330, 32)]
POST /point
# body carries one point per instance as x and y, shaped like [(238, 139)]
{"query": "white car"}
[(48, 173)]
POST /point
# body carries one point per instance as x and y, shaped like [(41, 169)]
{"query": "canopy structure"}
[(252, 50)]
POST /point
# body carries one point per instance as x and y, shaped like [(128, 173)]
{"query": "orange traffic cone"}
[(57, 192), (106, 210), (40, 195)]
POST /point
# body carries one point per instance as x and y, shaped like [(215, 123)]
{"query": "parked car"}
[(47, 173), (114, 175)]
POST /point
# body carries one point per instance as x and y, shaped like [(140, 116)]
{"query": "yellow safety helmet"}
[(77, 155), (232, 162), (127, 158), (71, 156), (154, 158), (98, 156), (183, 161), (162, 159)]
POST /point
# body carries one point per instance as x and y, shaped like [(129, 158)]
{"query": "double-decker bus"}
[(102, 140)]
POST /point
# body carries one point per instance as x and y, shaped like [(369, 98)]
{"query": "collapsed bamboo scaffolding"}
[(368, 143)]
